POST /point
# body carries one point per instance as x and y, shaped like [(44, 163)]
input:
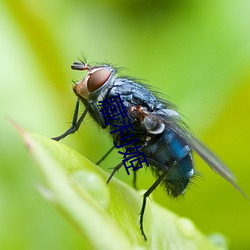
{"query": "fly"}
[(161, 134)]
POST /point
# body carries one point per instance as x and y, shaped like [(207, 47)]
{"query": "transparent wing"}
[(175, 124)]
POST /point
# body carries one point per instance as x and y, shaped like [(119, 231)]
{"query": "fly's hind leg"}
[(145, 196)]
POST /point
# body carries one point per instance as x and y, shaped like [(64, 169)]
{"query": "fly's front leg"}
[(75, 123), (98, 116)]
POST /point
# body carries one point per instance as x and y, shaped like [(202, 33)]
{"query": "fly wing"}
[(208, 156), (175, 124)]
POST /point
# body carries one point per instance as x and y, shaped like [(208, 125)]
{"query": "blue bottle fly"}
[(161, 135)]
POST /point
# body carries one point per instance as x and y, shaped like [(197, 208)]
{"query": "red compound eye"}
[(97, 79)]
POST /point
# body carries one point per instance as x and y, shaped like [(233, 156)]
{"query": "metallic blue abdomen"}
[(171, 154)]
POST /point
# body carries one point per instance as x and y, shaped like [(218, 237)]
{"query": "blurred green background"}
[(196, 53)]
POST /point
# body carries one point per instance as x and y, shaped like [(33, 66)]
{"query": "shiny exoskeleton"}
[(162, 135)]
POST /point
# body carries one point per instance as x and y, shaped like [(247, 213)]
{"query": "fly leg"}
[(135, 176), (114, 171), (105, 156), (75, 123), (145, 196)]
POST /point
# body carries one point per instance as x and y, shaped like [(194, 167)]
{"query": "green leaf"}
[(106, 215)]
